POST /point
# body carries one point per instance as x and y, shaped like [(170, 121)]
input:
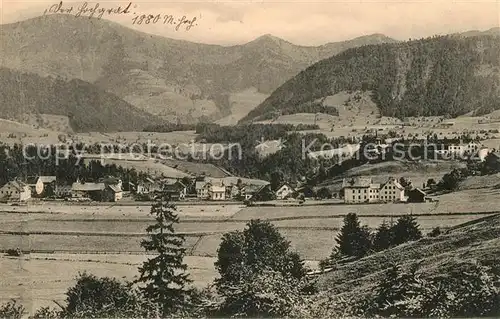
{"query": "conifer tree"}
[(406, 229), (164, 276), (353, 239), (383, 237)]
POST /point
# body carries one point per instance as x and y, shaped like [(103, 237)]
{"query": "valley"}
[(297, 172)]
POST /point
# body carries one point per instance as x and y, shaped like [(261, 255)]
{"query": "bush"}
[(259, 274), (14, 252), (264, 294), (462, 290), (100, 298), (436, 231), (324, 193), (11, 310)]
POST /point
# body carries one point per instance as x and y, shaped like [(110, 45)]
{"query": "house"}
[(203, 189), (360, 190), (217, 192), (112, 193), (392, 191), (147, 186), (15, 191), (284, 191), (42, 185), (176, 190), (416, 195)]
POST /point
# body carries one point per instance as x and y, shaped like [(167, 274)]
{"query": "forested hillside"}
[(449, 75), (88, 107)]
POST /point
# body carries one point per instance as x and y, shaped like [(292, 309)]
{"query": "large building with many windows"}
[(364, 190), (360, 190)]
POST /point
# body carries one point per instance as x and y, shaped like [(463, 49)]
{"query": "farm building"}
[(109, 190), (112, 193), (87, 190), (15, 191), (257, 192), (416, 195), (42, 185)]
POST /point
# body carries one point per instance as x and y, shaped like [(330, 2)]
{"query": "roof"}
[(115, 188), (253, 188), (19, 186), (357, 182), (32, 180), (88, 187), (175, 187), (201, 184), (149, 180), (419, 191), (216, 188), (395, 182), (285, 184), (48, 179)]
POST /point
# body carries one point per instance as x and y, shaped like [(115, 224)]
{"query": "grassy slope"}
[(477, 240)]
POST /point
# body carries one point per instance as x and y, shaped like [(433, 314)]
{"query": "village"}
[(110, 189), (201, 188)]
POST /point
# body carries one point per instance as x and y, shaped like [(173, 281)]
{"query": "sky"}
[(300, 22)]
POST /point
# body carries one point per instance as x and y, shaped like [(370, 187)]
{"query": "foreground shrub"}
[(11, 310), (462, 290), (264, 294), (100, 298), (259, 274)]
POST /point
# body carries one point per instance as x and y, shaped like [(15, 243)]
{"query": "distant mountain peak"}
[(267, 39)]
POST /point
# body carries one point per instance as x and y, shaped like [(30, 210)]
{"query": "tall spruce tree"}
[(353, 239), (164, 276), (405, 229)]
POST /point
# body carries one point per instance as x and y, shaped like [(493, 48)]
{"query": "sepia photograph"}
[(258, 159)]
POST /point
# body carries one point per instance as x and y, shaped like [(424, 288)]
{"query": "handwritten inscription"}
[(169, 19), (130, 9)]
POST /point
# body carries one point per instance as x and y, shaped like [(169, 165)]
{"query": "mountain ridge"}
[(178, 80), (445, 75)]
